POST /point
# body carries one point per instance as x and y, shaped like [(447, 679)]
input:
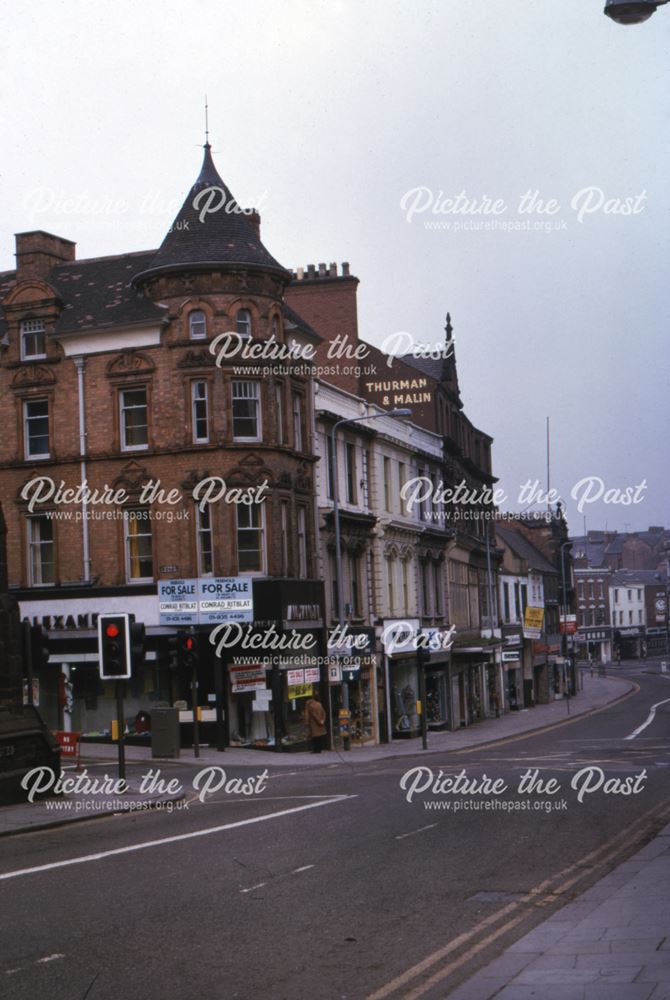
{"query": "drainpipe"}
[(79, 365)]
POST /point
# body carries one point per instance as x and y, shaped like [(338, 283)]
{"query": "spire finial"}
[(206, 122), (449, 328)]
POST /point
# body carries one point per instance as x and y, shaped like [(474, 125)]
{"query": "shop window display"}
[(360, 704), (437, 714), (403, 700)]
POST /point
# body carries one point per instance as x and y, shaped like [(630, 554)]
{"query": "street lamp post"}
[(336, 516), (632, 11), (564, 634)]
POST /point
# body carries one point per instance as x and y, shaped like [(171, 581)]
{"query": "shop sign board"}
[(299, 691), (351, 672), (247, 677), (205, 600), (511, 657), (533, 622), (178, 602), (225, 599), (568, 624)]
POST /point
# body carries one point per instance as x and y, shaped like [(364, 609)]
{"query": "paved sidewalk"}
[(612, 943), (45, 813), (75, 807), (597, 693)]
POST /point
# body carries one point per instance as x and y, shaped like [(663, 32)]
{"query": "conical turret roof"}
[(211, 230)]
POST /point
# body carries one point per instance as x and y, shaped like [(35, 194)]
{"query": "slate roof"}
[(630, 577), (519, 544), (99, 293), (433, 367), (223, 237)]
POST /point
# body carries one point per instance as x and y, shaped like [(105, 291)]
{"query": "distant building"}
[(630, 571)]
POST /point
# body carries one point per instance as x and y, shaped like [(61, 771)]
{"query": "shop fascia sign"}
[(511, 657), (404, 636), (344, 641), (205, 600)]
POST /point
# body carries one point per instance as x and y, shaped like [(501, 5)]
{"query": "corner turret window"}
[(246, 411), (197, 325), (243, 323), (32, 339)]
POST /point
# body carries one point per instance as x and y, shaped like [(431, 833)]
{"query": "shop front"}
[(595, 644), (352, 661), (628, 643)]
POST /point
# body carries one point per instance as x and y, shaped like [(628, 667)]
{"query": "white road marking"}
[(305, 868), (649, 720), (173, 840), (252, 887), (401, 836), (49, 958)]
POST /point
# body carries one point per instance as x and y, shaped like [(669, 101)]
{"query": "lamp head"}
[(630, 11)]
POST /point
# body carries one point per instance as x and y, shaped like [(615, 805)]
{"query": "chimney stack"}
[(38, 252)]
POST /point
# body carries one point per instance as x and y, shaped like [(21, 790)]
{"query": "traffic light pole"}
[(120, 721), (27, 636), (422, 657), (194, 702)]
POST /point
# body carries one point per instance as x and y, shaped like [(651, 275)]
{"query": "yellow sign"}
[(299, 691), (534, 618)]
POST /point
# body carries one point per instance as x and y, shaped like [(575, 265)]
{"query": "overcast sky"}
[(329, 114)]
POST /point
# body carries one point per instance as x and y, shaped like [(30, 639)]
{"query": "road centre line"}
[(173, 840), (401, 836), (650, 718), (582, 866)]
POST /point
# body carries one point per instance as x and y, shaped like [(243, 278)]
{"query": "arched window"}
[(197, 325), (275, 327), (243, 323)]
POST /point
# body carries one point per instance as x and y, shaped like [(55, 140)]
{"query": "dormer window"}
[(32, 339), (197, 325), (243, 323)]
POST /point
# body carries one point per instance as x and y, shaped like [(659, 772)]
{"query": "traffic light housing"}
[(114, 646), (137, 643), (173, 653), (40, 646), (188, 649)]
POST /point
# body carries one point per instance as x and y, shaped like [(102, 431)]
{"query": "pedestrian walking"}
[(495, 703), (315, 716)]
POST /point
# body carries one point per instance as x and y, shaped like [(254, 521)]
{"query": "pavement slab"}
[(615, 947)]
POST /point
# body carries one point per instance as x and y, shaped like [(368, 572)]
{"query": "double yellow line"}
[(485, 932)]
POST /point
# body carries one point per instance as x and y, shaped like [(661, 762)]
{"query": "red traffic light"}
[(112, 631), (188, 643)]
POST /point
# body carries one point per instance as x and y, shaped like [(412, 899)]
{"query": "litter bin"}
[(165, 740)]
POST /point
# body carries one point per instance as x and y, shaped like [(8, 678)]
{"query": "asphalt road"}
[(328, 883)]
